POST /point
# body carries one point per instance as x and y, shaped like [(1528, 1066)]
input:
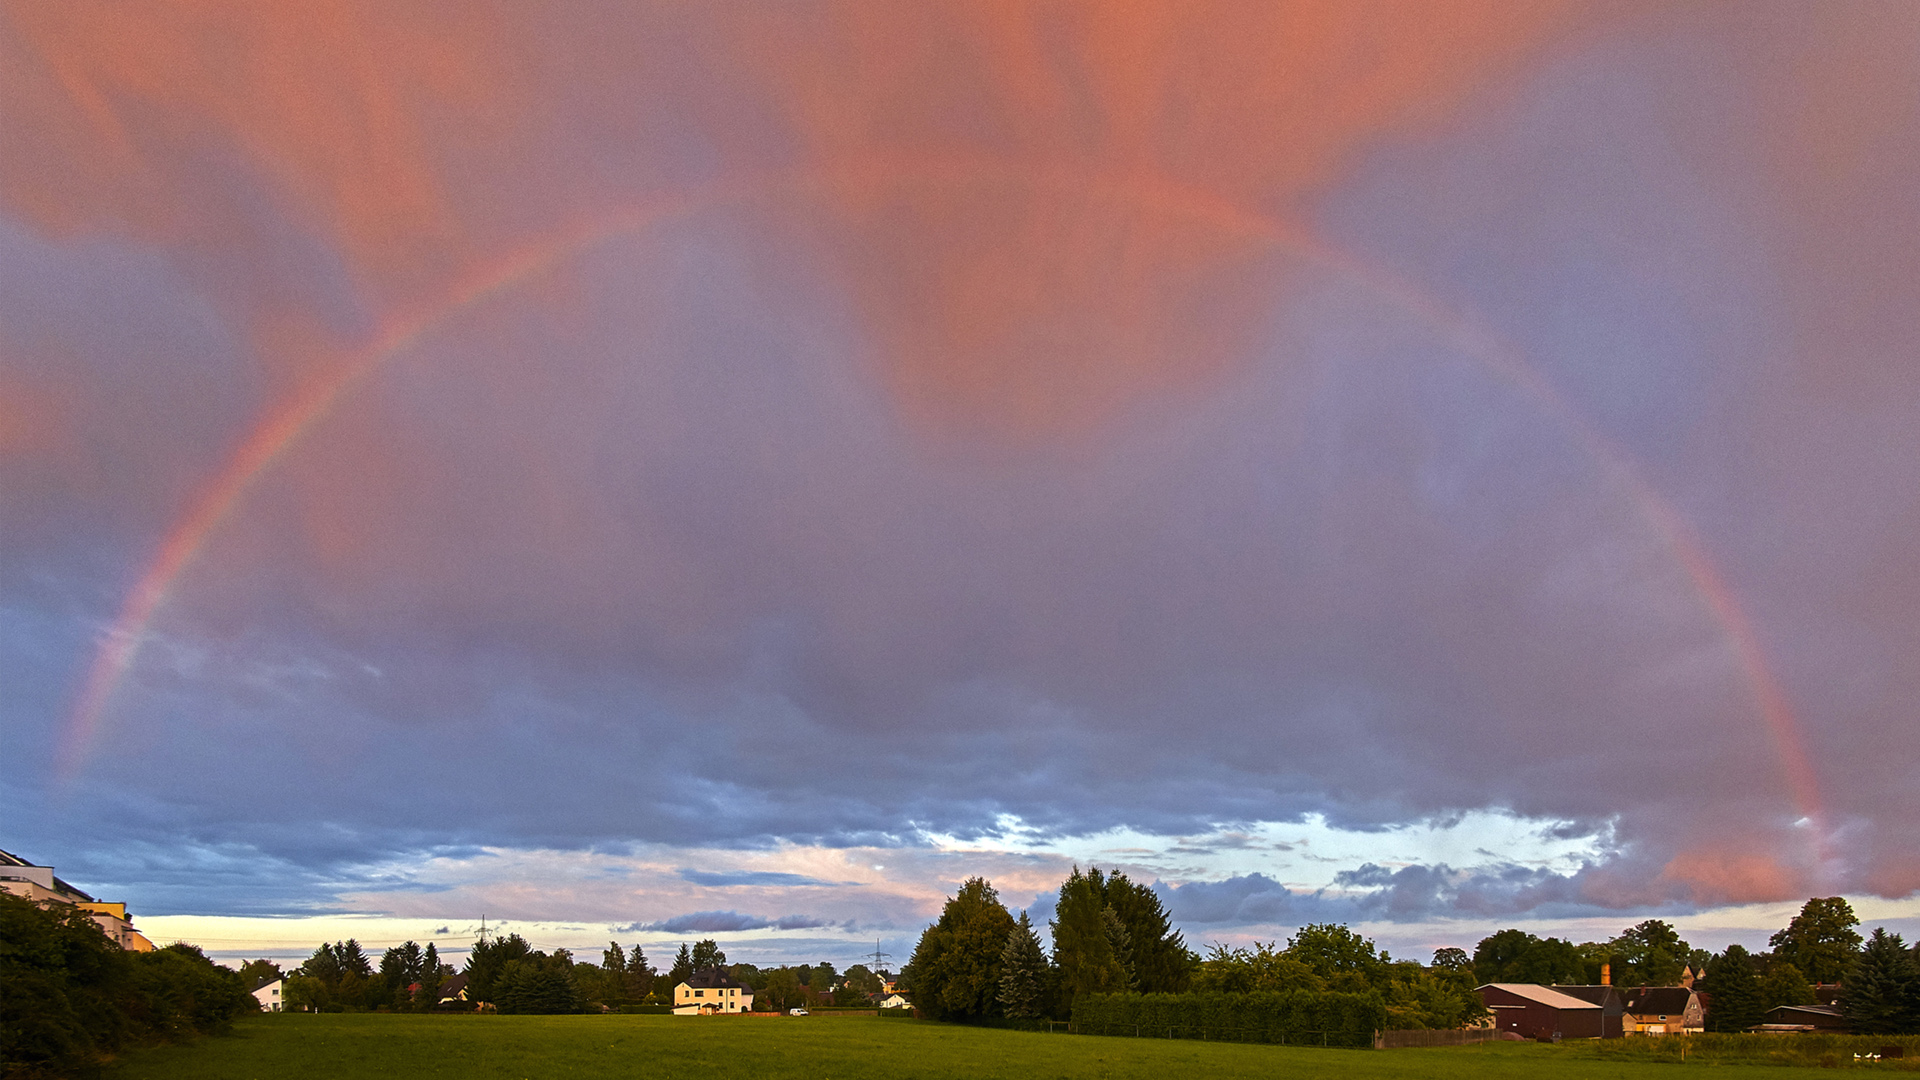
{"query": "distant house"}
[(453, 990), (1664, 1010), (893, 1001), (1805, 1019), (270, 995), (37, 883), (1539, 1012), (711, 991)]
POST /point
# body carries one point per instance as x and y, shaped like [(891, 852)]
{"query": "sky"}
[(657, 471)]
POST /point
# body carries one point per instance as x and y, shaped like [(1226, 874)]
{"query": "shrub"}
[(70, 998)]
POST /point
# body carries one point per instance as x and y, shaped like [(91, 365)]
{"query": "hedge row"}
[(1295, 1016)]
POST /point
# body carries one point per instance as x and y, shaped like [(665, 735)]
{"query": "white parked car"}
[(797, 1010)]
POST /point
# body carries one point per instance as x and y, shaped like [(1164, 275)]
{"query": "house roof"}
[(1541, 995), (1601, 994), (713, 978), (1670, 1000), (1815, 1010)]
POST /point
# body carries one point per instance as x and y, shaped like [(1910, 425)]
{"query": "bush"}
[(1295, 1016), (70, 998)]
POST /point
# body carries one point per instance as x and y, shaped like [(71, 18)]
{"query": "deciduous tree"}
[(1518, 957), (1343, 958), (707, 955), (955, 968), (1783, 984), (1821, 941), (1265, 966)]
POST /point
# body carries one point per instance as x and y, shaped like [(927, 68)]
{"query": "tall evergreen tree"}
[(1158, 957), (1120, 943), (955, 968), (1734, 1004), (1083, 952), (538, 984), (682, 970), (1821, 941), (1023, 972), (1879, 997), (639, 975), (488, 959), (430, 978), (352, 960), (400, 965)]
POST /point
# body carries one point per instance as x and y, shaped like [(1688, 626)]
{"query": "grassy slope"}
[(350, 1047)]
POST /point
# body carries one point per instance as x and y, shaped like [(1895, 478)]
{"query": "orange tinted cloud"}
[(340, 104), (1044, 294), (1714, 877), (1050, 295)]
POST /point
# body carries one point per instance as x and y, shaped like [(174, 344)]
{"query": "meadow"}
[(356, 1046)]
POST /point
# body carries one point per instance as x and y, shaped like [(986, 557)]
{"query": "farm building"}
[(1539, 1012), (1664, 1010), (1804, 1018)]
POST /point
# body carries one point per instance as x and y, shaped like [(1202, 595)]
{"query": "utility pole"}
[(879, 958)]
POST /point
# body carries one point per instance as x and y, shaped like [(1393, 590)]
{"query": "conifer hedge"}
[(1275, 1016)]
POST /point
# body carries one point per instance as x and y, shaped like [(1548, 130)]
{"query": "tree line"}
[(70, 997), (509, 975), (1874, 981), (1111, 935)]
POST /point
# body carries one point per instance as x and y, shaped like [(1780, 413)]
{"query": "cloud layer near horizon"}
[(917, 421)]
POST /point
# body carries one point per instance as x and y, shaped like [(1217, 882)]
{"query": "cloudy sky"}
[(664, 471)]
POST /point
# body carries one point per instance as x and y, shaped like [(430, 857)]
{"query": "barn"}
[(1538, 1012)]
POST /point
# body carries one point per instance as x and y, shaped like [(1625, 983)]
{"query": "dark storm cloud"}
[(714, 922), (1373, 893), (752, 877)]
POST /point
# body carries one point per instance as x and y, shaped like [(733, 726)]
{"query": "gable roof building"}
[(711, 991), (1539, 1012), (1664, 1010), (1804, 1018)]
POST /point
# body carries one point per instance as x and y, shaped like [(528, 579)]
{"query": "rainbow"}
[(284, 426)]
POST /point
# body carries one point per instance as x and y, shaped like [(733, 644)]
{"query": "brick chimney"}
[(1606, 974)]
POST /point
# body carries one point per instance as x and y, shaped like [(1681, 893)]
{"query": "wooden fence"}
[(1394, 1040)]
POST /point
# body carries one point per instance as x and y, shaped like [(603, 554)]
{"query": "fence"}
[(1395, 1040)]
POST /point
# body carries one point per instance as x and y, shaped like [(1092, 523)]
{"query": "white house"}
[(711, 991), (269, 995), (893, 1001)]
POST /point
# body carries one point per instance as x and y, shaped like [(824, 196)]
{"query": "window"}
[(699, 993)]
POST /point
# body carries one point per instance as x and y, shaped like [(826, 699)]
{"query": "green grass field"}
[(351, 1047)]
